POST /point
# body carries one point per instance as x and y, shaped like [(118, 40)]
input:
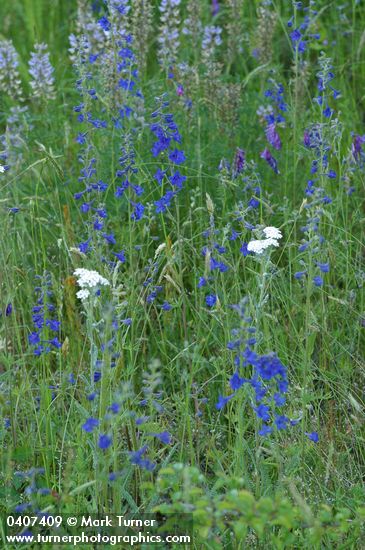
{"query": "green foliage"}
[(229, 510)]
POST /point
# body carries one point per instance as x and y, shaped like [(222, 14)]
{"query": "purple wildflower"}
[(266, 155), (272, 136)]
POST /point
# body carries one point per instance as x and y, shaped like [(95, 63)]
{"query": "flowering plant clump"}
[(46, 327), (268, 378)]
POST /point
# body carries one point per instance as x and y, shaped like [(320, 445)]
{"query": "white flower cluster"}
[(272, 235), (2, 169), (88, 280)]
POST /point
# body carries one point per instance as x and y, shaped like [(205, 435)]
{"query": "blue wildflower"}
[(211, 300), (136, 458), (236, 381), (104, 441), (138, 210), (265, 430), (164, 437), (244, 250), (238, 162), (263, 412), (53, 324), (317, 280), (177, 157), (266, 155), (105, 23), (120, 256), (272, 136), (313, 436), (90, 424), (295, 36), (281, 422), (114, 408), (222, 401)]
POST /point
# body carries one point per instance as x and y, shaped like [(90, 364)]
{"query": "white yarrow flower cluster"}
[(2, 169), (272, 235), (88, 280)]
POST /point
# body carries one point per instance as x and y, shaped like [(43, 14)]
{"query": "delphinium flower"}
[(354, 162), (90, 424), (92, 204), (104, 441), (266, 375), (215, 7), (169, 38), (41, 71), (271, 161), (116, 21), (238, 162), (117, 78), (92, 197), (301, 34), (10, 82), (213, 253), (272, 116), (317, 141), (137, 458), (302, 30), (152, 414), (152, 290), (171, 157), (46, 327), (121, 90), (313, 436), (87, 26), (264, 33), (326, 90), (357, 150), (124, 177), (118, 66)]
